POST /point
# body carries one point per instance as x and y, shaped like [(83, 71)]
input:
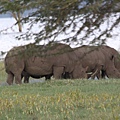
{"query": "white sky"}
[(7, 37)]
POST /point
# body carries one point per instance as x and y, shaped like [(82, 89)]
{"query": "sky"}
[(8, 34)]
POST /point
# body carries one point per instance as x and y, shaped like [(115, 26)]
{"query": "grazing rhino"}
[(37, 60), (113, 55), (97, 59)]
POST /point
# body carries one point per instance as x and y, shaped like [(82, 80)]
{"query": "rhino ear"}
[(112, 58)]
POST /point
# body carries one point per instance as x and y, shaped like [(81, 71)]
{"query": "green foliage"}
[(62, 99), (13, 6), (57, 16), (79, 16)]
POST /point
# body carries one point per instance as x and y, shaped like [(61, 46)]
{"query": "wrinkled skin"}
[(75, 74), (114, 56), (98, 59), (39, 60)]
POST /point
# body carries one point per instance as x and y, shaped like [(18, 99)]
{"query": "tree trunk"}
[(17, 18)]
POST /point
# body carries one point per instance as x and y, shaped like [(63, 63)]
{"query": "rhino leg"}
[(57, 72), (10, 78), (26, 77), (103, 74), (18, 79), (48, 77), (98, 75), (66, 75)]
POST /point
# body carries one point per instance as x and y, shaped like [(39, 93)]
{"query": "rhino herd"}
[(61, 61)]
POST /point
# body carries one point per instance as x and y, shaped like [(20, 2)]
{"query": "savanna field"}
[(78, 99)]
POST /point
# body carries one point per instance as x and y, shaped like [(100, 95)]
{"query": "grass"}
[(61, 100), (2, 72)]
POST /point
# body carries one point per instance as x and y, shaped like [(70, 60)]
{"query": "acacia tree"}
[(15, 8), (75, 16), (72, 16)]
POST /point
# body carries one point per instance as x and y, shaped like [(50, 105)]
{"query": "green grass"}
[(61, 100), (2, 72)]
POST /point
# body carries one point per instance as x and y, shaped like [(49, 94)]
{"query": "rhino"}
[(112, 54), (41, 60), (97, 58)]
